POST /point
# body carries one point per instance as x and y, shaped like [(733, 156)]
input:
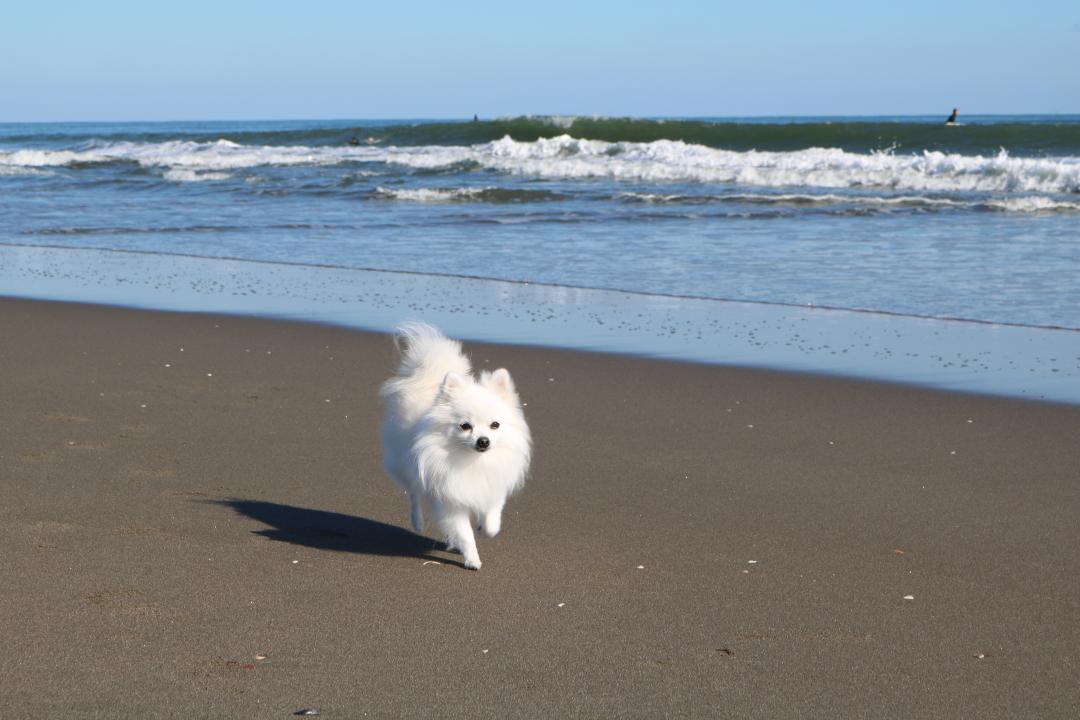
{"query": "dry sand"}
[(184, 495)]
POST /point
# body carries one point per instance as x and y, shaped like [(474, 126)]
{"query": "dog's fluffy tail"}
[(423, 347), (426, 357)]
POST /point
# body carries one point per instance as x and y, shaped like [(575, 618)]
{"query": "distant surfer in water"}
[(354, 141), (952, 118), (476, 118)]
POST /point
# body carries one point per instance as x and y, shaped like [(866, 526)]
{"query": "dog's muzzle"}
[(482, 444)]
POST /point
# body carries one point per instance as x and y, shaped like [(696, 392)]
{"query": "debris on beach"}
[(561, 605), (909, 597), (431, 562), (308, 711)]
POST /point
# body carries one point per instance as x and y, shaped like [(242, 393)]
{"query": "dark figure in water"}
[(952, 118), (476, 118), (354, 141)]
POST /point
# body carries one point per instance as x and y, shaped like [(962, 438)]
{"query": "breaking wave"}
[(565, 157), (1023, 135), (1027, 203), (188, 175), (468, 194)]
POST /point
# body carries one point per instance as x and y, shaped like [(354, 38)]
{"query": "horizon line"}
[(497, 118)]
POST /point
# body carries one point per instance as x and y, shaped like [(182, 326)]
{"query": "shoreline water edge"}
[(998, 359)]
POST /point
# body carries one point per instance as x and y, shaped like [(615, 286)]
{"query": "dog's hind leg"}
[(459, 534), (416, 512)]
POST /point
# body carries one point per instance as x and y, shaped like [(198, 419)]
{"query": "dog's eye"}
[(495, 425), (466, 426)]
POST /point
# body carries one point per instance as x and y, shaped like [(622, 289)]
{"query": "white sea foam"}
[(561, 121), (662, 160), (564, 122), (219, 155), (1033, 203), (40, 158), (13, 170), (430, 195), (667, 160), (770, 198), (1026, 203), (188, 175)]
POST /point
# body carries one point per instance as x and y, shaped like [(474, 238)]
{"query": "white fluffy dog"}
[(457, 444)]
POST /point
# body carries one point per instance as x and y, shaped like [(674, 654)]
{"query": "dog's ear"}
[(499, 382), (451, 384)]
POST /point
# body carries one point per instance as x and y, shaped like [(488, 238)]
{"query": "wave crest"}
[(467, 194), (567, 157)]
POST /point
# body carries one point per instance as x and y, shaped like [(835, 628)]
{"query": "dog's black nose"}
[(482, 444)]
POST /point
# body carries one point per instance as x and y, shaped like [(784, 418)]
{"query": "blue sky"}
[(112, 60)]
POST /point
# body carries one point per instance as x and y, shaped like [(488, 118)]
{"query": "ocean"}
[(979, 221)]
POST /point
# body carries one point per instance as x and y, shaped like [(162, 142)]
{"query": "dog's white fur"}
[(438, 416)]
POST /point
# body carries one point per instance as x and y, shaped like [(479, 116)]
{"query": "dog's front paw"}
[(491, 525), (473, 563)]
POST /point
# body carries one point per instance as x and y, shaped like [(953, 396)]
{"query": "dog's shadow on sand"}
[(335, 531)]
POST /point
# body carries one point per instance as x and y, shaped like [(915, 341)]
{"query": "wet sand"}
[(1031, 363), (195, 524)]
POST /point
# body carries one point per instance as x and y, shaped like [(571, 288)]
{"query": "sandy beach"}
[(195, 524)]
